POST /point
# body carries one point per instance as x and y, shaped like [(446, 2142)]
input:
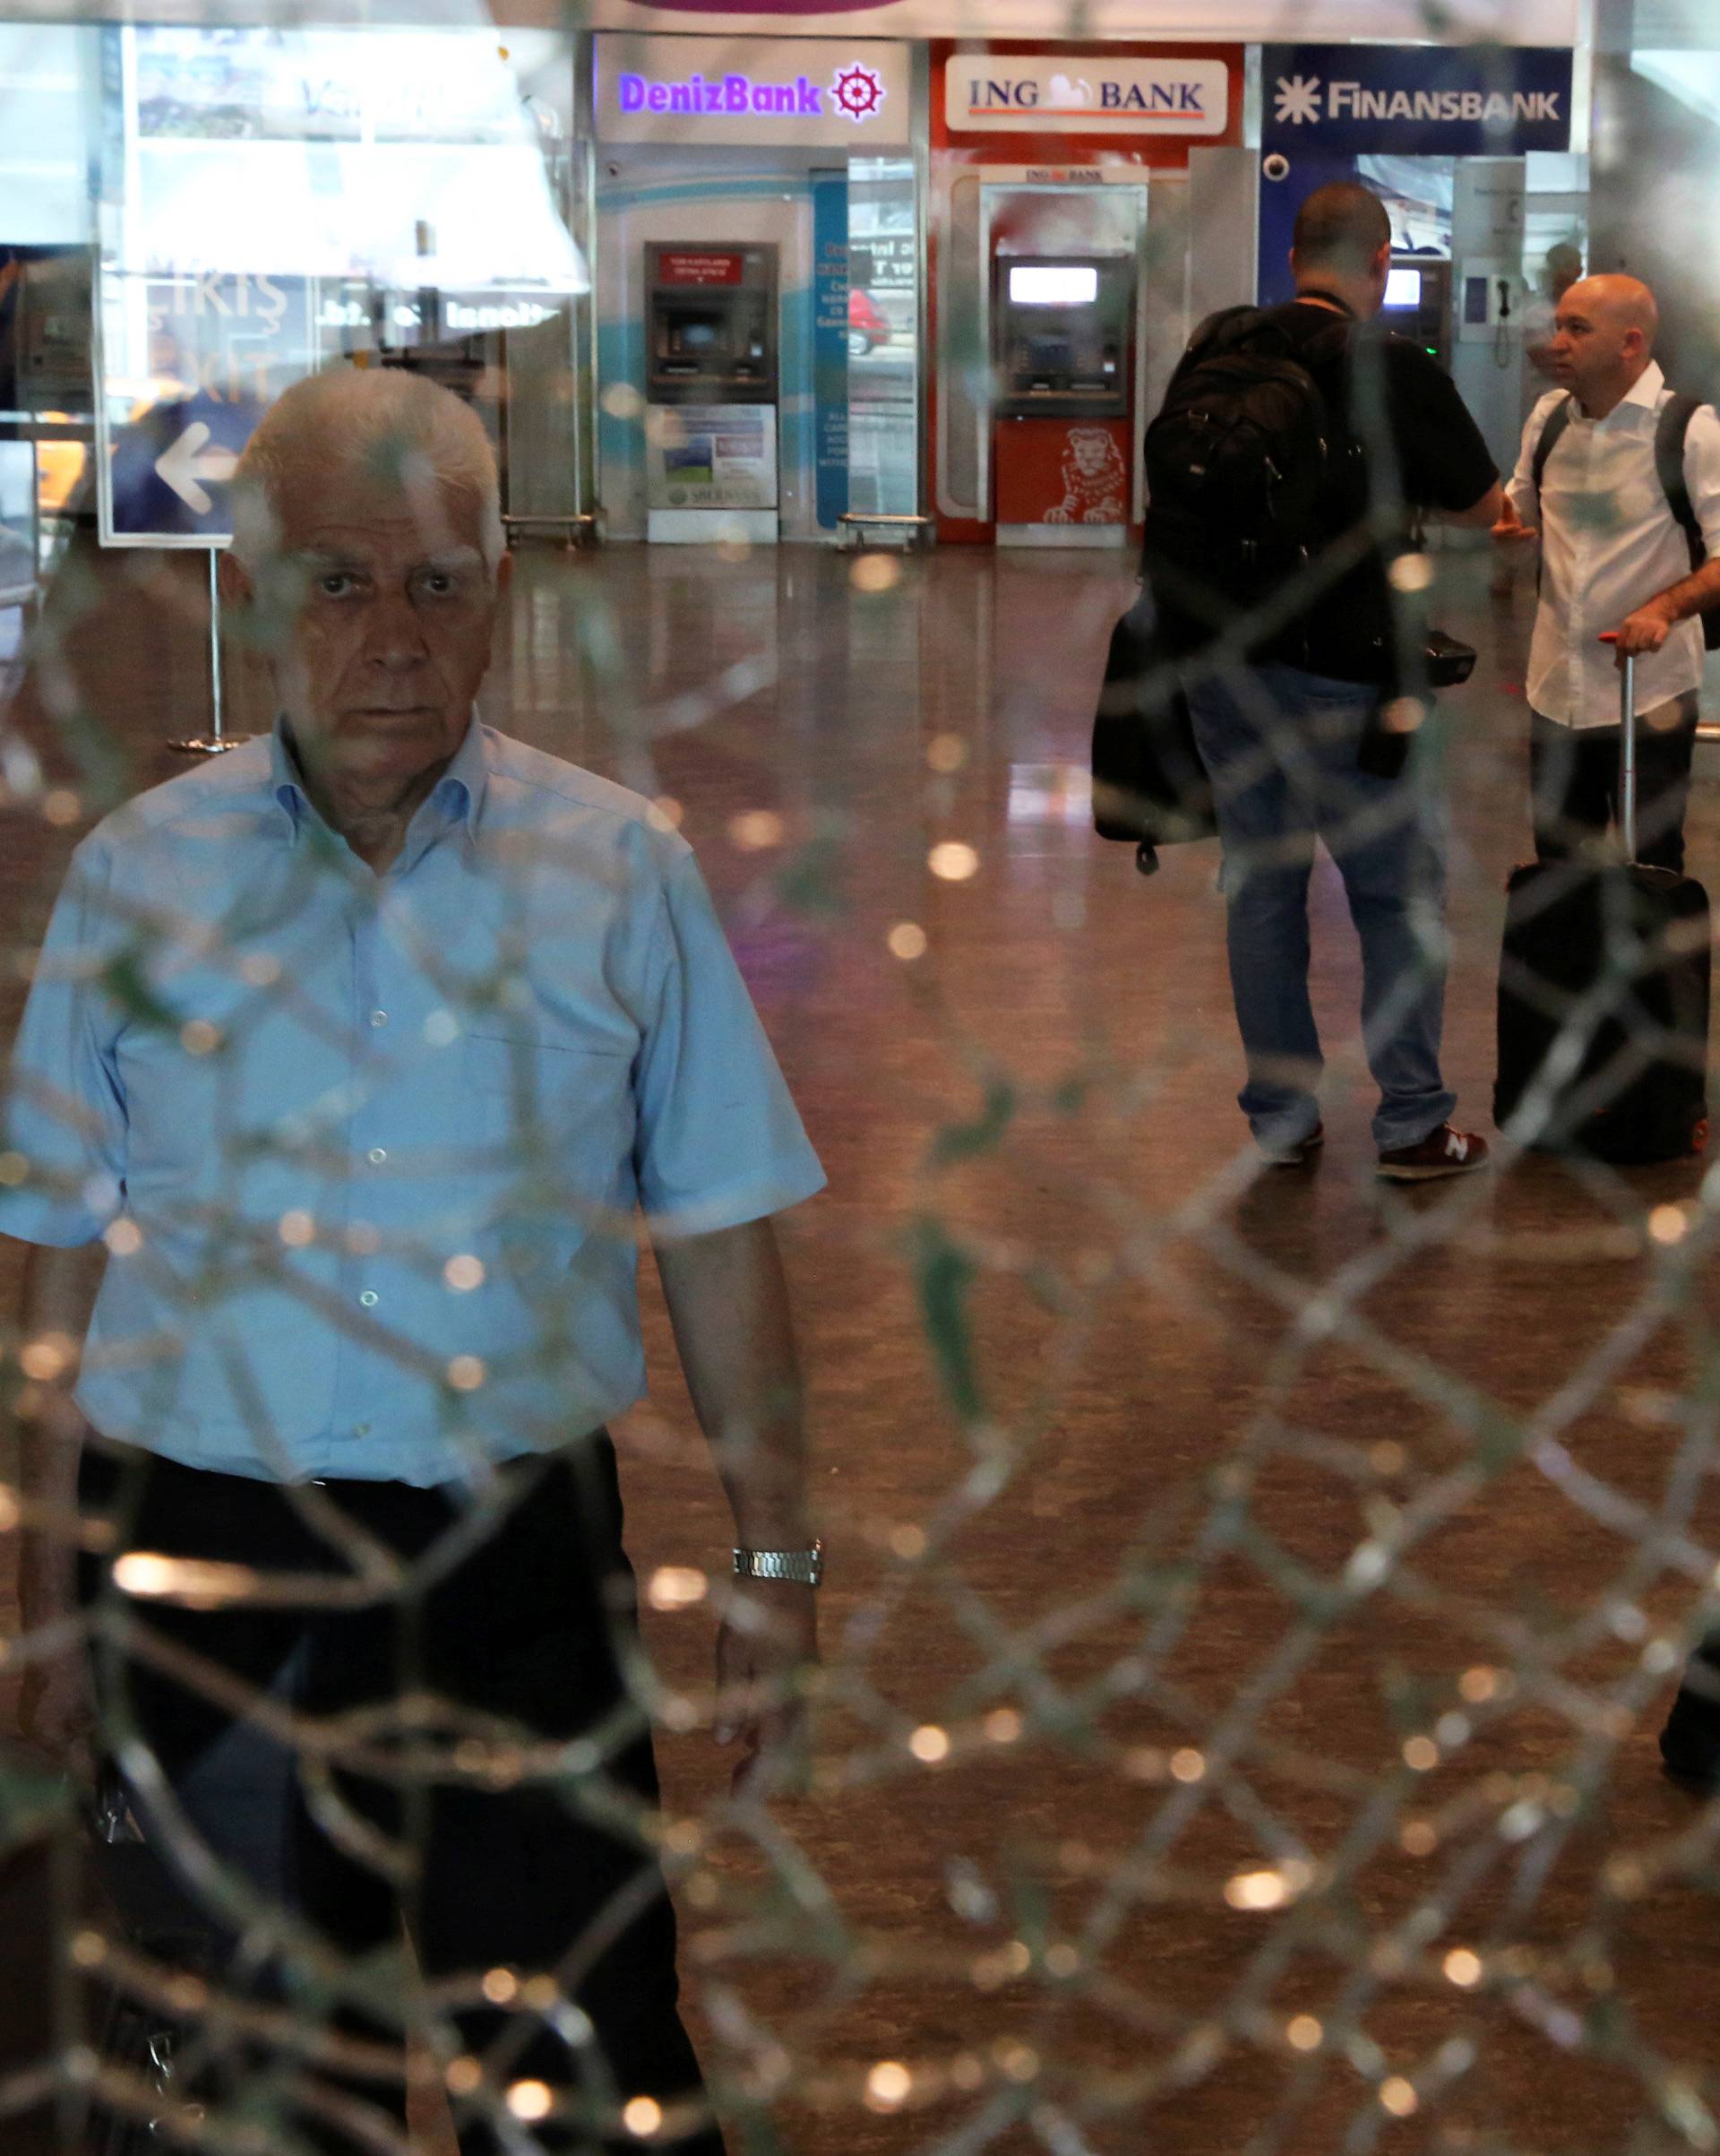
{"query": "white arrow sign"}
[(186, 463)]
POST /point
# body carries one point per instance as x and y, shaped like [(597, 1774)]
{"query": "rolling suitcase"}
[(1603, 1000)]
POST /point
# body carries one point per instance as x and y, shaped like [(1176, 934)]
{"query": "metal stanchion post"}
[(212, 743)]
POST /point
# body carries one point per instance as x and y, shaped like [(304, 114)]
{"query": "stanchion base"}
[(205, 747)]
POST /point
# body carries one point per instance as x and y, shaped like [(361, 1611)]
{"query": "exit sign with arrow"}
[(186, 368)]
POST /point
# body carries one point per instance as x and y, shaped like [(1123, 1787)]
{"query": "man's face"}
[(391, 635), (1593, 341)]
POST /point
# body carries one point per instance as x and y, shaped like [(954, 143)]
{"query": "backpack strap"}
[(1557, 420), (1223, 323), (1217, 333), (1670, 438)]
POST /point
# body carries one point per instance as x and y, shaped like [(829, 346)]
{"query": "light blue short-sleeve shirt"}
[(369, 1152)]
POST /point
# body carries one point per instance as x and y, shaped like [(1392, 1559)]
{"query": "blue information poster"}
[(830, 345)]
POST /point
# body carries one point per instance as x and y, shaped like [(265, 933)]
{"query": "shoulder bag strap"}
[(1557, 420), (1669, 435)]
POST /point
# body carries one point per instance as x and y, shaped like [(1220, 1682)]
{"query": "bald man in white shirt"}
[(1614, 558)]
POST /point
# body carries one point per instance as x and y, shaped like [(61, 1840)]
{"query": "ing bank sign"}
[(1016, 93)]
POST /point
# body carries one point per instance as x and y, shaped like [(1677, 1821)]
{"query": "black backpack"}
[(1238, 464), (1674, 425)]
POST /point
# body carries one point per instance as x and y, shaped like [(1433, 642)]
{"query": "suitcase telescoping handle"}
[(1627, 749)]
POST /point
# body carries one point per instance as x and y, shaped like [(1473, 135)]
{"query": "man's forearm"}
[(57, 1295), (728, 1303), (1691, 595)]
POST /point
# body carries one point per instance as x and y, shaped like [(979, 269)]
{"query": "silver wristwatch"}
[(806, 1566)]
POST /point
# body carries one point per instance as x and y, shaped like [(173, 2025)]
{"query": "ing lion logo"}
[(1094, 479)]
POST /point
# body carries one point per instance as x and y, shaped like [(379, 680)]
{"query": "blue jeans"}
[(1280, 747)]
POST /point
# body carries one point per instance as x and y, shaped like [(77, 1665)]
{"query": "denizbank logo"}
[(855, 92), (1084, 94), (1417, 100), (816, 93)]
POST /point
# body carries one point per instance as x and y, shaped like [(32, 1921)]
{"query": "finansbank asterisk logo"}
[(1298, 99)]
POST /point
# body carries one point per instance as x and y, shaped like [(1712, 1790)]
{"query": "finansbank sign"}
[(821, 92), (1419, 101)]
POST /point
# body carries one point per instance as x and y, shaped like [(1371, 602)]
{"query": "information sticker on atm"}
[(684, 267)]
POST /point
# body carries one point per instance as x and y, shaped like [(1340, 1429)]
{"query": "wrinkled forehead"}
[(403, 506)]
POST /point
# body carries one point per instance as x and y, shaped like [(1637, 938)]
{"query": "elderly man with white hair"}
[(350, 1060)]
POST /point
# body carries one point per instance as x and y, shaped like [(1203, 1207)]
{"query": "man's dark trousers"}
[(513, 1624), (1574, 782)]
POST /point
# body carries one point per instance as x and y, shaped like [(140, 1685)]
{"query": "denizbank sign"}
[(1469, 100), (821, 92), (1080, 93)]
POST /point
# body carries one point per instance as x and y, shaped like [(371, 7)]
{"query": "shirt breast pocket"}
[(547, 1089)]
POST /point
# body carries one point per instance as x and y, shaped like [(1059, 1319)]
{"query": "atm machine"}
[(1064, 364), (1418, 303), (710, 382)]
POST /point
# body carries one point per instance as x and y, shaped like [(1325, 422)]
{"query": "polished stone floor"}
[(1251, 1599)]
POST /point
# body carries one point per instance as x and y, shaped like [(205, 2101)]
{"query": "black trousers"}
[(1574, 782), (395, 1800)]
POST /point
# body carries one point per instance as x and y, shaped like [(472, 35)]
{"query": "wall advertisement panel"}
[(272, 198)]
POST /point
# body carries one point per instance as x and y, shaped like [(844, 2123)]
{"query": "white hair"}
[(398, 425)]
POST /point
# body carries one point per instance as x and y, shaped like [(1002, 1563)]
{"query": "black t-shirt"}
[(1398, 424)]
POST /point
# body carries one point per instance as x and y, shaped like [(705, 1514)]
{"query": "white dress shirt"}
[(1609, 544), (367, 1149)]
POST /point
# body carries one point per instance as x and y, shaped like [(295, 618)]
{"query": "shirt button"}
[(376, 1155), (368, 1298), (379, 1018), (361, 1429)]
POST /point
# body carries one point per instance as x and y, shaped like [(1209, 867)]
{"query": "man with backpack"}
[(1291, 445), (1619, 479)]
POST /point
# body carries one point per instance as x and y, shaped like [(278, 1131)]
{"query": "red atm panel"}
[(1062, 472)]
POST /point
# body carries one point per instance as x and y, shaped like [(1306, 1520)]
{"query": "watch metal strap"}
[(806, 1566)]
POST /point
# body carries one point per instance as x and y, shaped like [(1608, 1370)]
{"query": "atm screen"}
[(1042, 284), (1403, 287)]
